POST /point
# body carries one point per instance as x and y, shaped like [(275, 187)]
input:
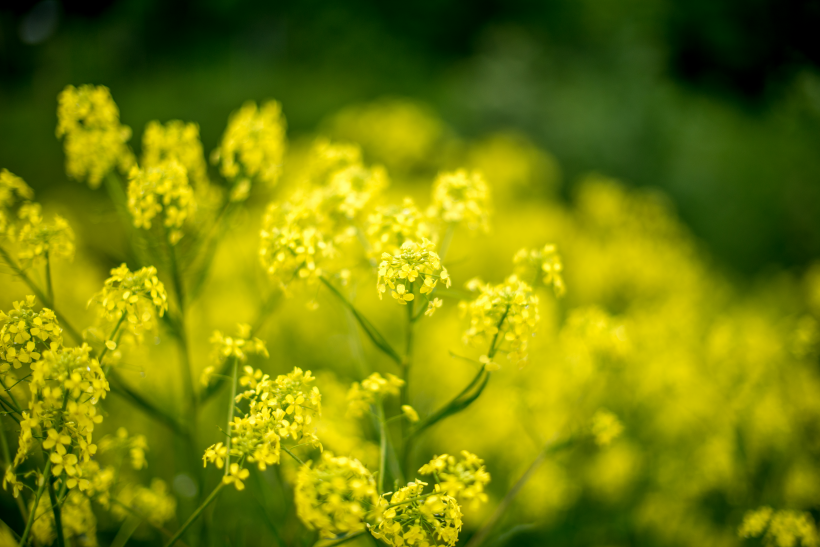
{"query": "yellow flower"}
[(253, 144), (433, 520), (25, 334), (37, 238), (606, 427), (155, 504), (79, 522), (785, 528), (530, 264), (462, 196), (504, 315), (238, 347), (464, 479), (162, 189), (336, 496), (413, 264), (389, 227), (410, 413), (13, 192), (178, 141), (135, 296), (235, 476), (372, 389), (94, 141)]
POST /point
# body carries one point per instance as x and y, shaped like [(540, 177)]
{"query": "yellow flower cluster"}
[(13, 191), (532, 263), (462, 196), (463, 479), (38, 239), (133, 297), (782, 528), (79, 522), (161, 189), (94, 140), (336, 496), (238, 347), (432, 520), (65, 386), (505, 315), (252, 147), (606, 427), (388, 227), (154, 504), (177, 141), (370, 391), (279, 408), (25, 334), (350, 189), (135, 446), (412, 262)]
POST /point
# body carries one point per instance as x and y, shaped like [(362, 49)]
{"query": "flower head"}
[(463, 478), (238, 346), (783, 528), (94, 141), (531, 263), (154, 503), (178, 141), (335, 496), (389, 227), (13, 192), (253, 145), (163, 189), (37, 238), (462, 196), (77, 516), (25, 334), (505, 315), (413, 264), (372, 389), (137, 297), (433, 520)]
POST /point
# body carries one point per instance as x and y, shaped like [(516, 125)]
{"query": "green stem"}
[(31, 516), (109, 339), (411, 500), (126, 531), (376, 337), (58, 519), (195, 514), (121, 388), (382, 447), (231, 406), (548, 449), (11, 395), (292, 455), (10, 412), (345, 539), (142, 518), (49, 285), (7, 457)]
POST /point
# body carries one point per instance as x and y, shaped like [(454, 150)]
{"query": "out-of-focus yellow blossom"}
[(372, 390), (279, 408), (154, 504), (532, 263), (505, 316), (252, 146), (292, 245), (236, 475), (37, 238), (25, 334), (178, 141), (606, 427), (410, 413), (350, 189), (133, 297), (413, 265), (433, 520), (336, 496), (13, 192), (94, 140), (326, 157), (96, 482), (462, 196), (784, 528), (463, 479), (390, 226), (162, 189), (135, 446), (238, 346), (397, 132), (79, 522)]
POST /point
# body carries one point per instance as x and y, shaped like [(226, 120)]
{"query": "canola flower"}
[(252, 147), (135, 446), (503, 315), (163, 189), (782, 528), (78, 520), (370, 391), (13, 192), (388, 227), (413, 265), (25, 334), (176, 141), (462, 197), (408, 518), (95, 143), (154, 503), (464, 479), (531, 263), (336, 496), (133, 298)]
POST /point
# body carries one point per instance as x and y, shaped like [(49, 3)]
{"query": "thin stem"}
[(11, 411), (126, 531), (548, 449), (345, 539), (58, 519), (195, 514), (231, 406), (376, 337), (110, 339), (292, 455), (382, 447), (411, 500), (4, 443), (11, 395), (49, 285), (31, 516), (493, 348), (119, 387), (142, 517), (446, 240)]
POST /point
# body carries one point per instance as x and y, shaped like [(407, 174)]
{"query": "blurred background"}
[(716, 103)]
